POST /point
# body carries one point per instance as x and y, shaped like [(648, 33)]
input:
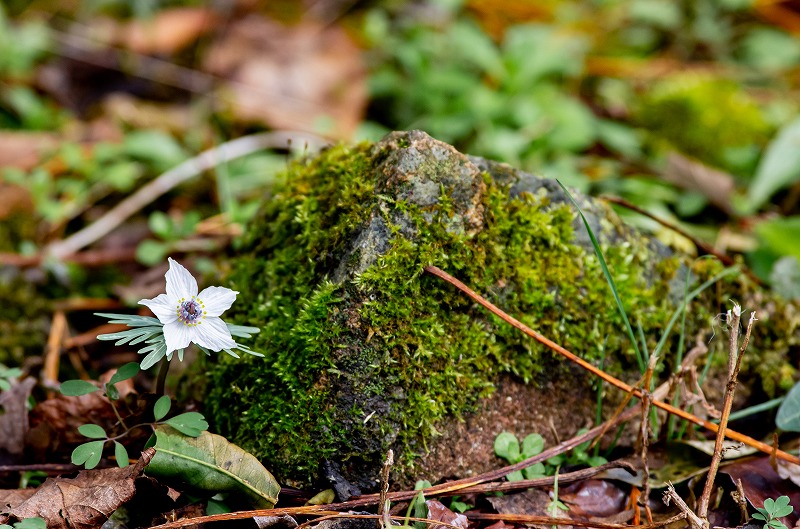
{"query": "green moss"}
[(24, 319), (711, 119), (376, 359)]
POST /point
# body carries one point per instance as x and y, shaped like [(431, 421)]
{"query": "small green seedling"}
[(459, 506), (555, 504), (507, 446), (7, 375), (89, 454), (417, 508), (772, 510)]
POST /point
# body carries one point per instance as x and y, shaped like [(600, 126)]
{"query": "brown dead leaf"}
[(717, 186), (9, 497), (14, 416), (500, 524), (292, 77), (56, 420), (83, 502), (437, 511), (168, 31), (784, 14), (531, 501), (24, 150), (593, 498), (760, 481)]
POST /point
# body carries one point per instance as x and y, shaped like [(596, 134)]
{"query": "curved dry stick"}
[(177, 175), (749, 441)]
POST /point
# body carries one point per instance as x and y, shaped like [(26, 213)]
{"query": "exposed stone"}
[(365, 352)]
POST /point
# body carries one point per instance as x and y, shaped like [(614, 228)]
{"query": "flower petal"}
[(161, 307), (213, 334), (177, 335), (217, 300), (180, 283)]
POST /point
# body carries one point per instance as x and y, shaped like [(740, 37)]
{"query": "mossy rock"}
[(364, 351)]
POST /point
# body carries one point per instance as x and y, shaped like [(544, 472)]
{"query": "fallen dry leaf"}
[(168, 31), (294, 77), (760, 481), (24, 150), (56, 420), (717, 186), (437, 511), (531, 501), (9, 497), (14, 416), (593, 498), (83, 502)]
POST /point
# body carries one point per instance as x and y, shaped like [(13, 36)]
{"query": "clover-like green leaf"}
[(190, 423), (532, 445), (534, 471), (76, 388), (92, 431), (506, 446), (781, 507), (88, 454), (129, 370), (28, 523), (161, 407), (515, 476), (121, 454)]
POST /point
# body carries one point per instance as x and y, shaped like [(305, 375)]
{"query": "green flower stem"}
[(163, 368)]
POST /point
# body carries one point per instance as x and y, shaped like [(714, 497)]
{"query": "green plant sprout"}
[(459, 506), (555, 504), (89, 454), (184, 316), (7, 375), (417, 507), (772, 510), (507, 447)]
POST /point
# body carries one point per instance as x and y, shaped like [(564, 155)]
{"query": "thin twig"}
[(445, 489), (695, 521), (527, 519), (735, 354), (190, 168), (763, 447), (383, 504), (644, 434), (701, 246)]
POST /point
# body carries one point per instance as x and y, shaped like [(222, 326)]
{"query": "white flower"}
[(191, 317)]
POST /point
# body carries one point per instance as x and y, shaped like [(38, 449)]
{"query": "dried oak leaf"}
[(437, 511), (304, 77), (83, 502)]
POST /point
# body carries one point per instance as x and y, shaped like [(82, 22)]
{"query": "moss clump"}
[(709, 118), (24, 320), (364, 351)]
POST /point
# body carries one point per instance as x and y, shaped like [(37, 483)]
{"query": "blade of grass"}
[(609, 280)]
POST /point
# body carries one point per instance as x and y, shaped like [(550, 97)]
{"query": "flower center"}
[(191, 311)]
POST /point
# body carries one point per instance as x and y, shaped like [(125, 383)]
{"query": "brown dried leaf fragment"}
[(83, 502)]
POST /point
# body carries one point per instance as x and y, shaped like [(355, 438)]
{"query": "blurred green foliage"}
[(594, 92)]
